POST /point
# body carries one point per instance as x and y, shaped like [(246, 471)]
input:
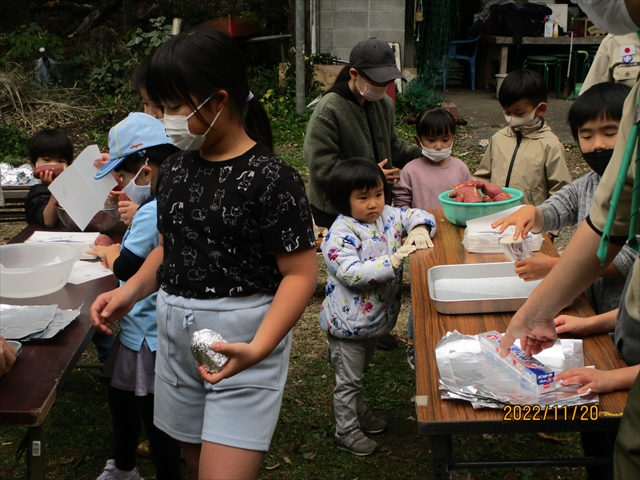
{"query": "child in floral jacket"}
[(363, 253)]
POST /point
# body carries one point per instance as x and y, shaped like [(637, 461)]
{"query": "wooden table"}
[(497, 49), (29, 390), (441, 419)]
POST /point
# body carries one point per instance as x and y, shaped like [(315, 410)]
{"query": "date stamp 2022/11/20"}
[(524, 413)]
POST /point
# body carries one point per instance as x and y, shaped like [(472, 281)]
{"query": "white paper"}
[(481, 238), (79, 240), (86, 271), (78, 192)]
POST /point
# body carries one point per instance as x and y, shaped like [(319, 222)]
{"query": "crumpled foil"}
[(203, 353), (22, 175), (516, 250), (466, 373)]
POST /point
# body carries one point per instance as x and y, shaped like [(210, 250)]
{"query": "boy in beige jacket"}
[(525, 155)]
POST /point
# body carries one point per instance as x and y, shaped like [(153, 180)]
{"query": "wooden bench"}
[(14, 197)]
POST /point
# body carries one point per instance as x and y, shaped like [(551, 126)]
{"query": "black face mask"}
[(598, 161)]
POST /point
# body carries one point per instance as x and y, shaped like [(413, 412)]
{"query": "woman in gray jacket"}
[(355, 118)]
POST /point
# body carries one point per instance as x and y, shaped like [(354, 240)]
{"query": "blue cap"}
[(137, 132)]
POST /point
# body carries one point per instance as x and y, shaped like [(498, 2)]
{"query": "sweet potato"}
[(56, 168), (491, 189), (103, 240), (472, 197), (459, 198), (502, 196), (487, 199), (460, 191), (124, 197), (469, 183)]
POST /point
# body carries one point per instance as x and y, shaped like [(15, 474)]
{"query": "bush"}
[(13, 145)]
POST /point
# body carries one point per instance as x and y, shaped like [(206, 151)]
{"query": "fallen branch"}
[(94, 16)]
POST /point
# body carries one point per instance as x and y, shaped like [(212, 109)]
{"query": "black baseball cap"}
[(376, 60)]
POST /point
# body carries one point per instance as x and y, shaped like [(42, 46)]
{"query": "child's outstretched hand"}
[(598, 381), (578, 326), (524, 220), (534, 268), (420, 237), (103, 252), (241, 356)]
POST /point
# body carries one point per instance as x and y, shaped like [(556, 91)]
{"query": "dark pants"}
[(128, 411)]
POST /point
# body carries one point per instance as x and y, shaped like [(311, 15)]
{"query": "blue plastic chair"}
[(453, 47)]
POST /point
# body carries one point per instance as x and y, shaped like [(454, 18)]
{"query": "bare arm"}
[(111, 306), (577, 268), (50, 214), (581, 327), (600, 381), (299, 271)]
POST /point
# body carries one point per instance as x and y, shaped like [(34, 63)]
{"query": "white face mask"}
[(177, 128), (436, 155), (373, 93), (609, 15), (137, 193), (527, 121)]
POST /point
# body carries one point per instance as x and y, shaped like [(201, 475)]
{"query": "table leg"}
[(504, 56), (441, 456), (35, 453)]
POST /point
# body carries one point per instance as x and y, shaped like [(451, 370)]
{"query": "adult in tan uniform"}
[(580, 264), (617, 60)]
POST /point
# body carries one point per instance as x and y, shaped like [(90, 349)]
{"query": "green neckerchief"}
[(632, 142)]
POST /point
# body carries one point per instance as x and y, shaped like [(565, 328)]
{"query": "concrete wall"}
[(340, 24)]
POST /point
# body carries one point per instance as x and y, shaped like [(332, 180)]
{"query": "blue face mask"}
[(137, 193)]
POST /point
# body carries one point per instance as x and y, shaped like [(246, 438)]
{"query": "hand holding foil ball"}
[(218, 359), (206, 356)]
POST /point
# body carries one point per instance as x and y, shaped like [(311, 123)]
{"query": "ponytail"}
[(257, 124), (343, 76)]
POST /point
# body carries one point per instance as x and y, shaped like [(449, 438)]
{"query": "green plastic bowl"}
[(459, 213)]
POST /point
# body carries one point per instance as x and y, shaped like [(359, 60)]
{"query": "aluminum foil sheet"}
[(466, 373), (34, 322), (22, 175), (203, 353)]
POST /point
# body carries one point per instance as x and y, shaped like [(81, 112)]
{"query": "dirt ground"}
[(484, 114)]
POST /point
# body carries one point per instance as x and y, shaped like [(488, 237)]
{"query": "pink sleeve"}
[(401, 192)]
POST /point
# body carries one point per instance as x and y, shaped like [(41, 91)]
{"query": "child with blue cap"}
[(137, 147)]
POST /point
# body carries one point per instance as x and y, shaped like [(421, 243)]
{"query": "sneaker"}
[(356, 442), (370, 423), (387, 342), (111, 472), (411, 359)]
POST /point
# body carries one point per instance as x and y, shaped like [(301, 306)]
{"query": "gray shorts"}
[(241, 411)]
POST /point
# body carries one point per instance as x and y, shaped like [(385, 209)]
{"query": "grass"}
[(78, 428)]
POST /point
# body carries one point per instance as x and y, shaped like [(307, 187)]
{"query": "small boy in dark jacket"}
[(47, 147)]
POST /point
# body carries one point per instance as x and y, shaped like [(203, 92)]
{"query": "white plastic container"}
[(31, 270)]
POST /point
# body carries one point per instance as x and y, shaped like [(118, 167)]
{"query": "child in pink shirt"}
[(426, 177)]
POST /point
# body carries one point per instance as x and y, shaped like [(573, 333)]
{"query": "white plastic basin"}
[(31, 269)]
